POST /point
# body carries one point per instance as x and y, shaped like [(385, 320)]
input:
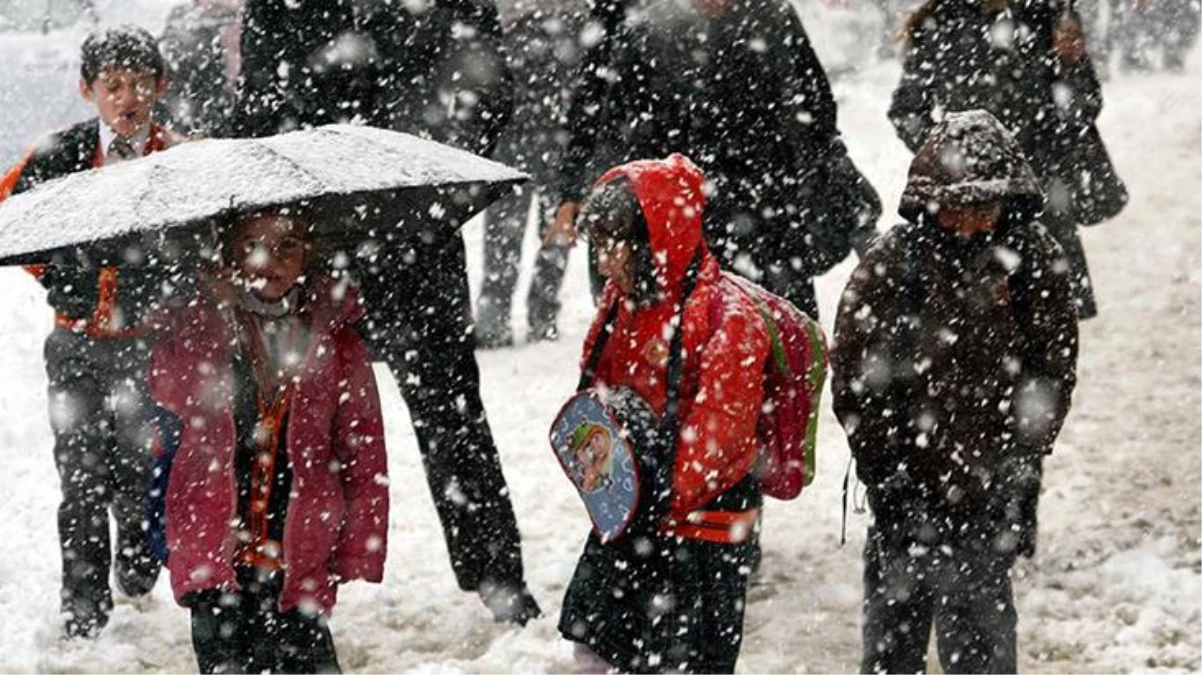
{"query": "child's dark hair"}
[(612, 211), (127, 46)]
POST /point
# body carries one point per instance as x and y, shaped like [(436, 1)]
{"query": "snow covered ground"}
[(1116, 586)]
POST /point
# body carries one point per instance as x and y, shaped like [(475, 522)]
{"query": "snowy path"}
[(1116, 587)]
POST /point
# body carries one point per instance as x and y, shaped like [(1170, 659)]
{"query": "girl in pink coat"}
[(277, 488)]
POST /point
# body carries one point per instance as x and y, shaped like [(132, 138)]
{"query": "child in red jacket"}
[(668, 594), (278, 486)]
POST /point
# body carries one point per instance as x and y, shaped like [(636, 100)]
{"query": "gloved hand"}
[(893, 502), (1017, 499)]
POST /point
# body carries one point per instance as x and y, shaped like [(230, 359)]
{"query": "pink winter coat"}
[(336, 526)]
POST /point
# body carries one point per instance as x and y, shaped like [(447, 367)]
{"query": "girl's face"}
[(615, 262), (269, 252)]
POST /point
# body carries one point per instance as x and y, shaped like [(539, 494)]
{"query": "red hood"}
[(670, 193)]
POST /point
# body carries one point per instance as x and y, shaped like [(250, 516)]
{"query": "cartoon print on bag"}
[(592, 454)]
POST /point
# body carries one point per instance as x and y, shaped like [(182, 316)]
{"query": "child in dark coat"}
[(669, 594), (955, 358), (96, 355), (278, 487)]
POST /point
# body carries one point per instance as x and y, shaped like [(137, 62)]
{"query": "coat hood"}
[(670, 194), (969, 158)]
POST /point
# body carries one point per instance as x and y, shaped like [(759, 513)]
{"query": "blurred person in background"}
[(201, 43), (542, 47), (1026, 63)]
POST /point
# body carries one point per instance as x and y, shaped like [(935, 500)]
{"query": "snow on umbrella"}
[(365, 184)]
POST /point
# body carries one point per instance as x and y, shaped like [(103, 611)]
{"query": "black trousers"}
[(419, 323), (503, 231), (99, 411), (965, 594), (244, 631)]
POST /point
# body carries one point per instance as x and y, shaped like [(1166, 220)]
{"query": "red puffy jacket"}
[(725, 341), (337, 521)]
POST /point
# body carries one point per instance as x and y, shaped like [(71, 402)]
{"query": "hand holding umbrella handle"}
[(562, 232)]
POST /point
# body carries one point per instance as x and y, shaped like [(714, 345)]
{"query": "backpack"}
[(793, 379)]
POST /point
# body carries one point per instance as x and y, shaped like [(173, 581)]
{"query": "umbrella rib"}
[(300, 167)]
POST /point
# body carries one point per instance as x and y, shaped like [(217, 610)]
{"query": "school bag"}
[(793, 377), (787, 427)]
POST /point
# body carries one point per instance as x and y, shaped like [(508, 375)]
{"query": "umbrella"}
[(363, 183)]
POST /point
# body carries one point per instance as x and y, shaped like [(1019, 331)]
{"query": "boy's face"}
[(969, 220), (269, 252), (124, 98)]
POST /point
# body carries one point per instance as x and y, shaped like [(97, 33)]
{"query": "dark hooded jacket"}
[(956, 354)]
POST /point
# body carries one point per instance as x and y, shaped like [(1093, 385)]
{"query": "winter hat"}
[(969, 159)]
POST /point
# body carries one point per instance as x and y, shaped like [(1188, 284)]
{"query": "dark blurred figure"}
[(735, 85), (1024, 62), (201, 43), (893, 17), (542, 47), (442, 72), (1167, 26), (434, 69), (303, 64), (1138, 29)]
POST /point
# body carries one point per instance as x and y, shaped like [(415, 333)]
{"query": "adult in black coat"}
[(420, 72), (1023, 61), (442, 71), (735, 85), (303, 64)]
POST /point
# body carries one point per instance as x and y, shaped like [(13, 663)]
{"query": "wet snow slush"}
[(1115, 586)]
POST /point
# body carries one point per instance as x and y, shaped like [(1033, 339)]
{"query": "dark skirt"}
[(650, 603)]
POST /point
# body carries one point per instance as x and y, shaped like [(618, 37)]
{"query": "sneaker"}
[(543, 332), (494, 339), (83, 618)]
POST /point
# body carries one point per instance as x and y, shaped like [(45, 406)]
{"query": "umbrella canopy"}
[(362, 183)]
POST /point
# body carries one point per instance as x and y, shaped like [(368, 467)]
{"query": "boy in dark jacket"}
[(96, 354), (956, 349)]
